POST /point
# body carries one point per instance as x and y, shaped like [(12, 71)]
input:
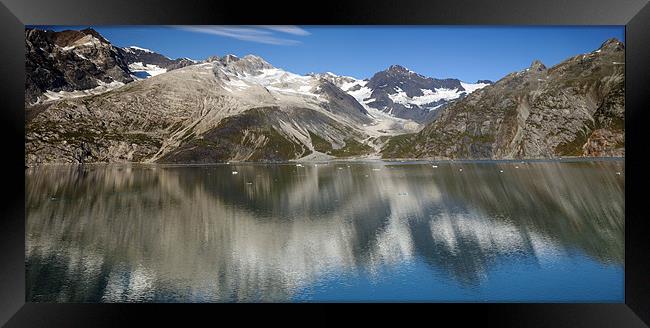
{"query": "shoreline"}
[(396, 161)]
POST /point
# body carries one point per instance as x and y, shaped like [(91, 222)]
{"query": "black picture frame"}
[(634, 14)]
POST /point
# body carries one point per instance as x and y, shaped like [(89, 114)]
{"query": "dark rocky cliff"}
[(70, 60)]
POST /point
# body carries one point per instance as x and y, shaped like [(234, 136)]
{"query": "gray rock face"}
[(341, 102), (70, 60), (249, 64), (575, 108)]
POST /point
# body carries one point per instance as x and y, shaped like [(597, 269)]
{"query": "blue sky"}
[(469, 53)]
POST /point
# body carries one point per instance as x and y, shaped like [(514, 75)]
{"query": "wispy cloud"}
[(268, 34), (290, 29)]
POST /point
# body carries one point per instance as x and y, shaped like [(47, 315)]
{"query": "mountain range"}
[(90, 101)]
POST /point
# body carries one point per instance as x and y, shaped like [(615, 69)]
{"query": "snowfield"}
[(471, 87), (149, 69), (58, 95), (138, 48)]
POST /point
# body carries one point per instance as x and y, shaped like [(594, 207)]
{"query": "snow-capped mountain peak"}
[(339, 97), (145, 63), (400, 69), (403, 93), (247, 65)]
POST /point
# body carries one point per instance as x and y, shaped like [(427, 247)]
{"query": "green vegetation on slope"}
[(320, 144), (352, 148), (247, 136), (400, 146)]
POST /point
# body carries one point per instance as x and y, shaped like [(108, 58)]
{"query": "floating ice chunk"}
[(376, 169), (500, 171), (234, 172), (434, 166), (249, 183), (299, 165), (339, 168), (618, 173), (460, 170), (516, 166)]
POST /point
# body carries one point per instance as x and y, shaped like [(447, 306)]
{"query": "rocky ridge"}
[(575, 108)]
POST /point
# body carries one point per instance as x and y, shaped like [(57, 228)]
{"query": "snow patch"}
[(101, 88), (73, 46), (471, 87), (149, 69), (428, 97), (275, 80), (141, 49)]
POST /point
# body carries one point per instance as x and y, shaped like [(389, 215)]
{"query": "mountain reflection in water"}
[(337, 231)]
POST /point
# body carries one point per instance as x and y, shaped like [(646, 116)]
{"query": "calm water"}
[(541, 231)]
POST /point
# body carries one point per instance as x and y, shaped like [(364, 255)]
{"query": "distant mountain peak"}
[(229, 58), (145, 63), (252, 57), (249, 64), (399, 69), (91, 31), (257, 61), (612, 44), (537, 65)]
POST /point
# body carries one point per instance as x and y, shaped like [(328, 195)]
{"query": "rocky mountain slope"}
[(405, 94), (228, 108), (69, 61), (575, 108)]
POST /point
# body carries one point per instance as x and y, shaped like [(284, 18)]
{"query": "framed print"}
[(446, 154)]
